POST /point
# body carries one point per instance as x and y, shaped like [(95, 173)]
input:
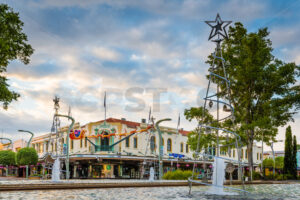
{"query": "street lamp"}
[(274, 156), (25, 131), (28, 145), (69, 130), (161, 148)]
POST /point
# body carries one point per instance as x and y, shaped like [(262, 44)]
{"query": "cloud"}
[(105, 53), (83, 48)]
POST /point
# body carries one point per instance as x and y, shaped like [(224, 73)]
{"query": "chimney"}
[(144, 120)]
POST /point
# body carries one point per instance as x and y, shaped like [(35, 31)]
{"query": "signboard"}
[(161, 150), (175, 155)]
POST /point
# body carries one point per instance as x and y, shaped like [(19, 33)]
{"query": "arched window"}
[(169, 145), (181, 147), (152, 143)]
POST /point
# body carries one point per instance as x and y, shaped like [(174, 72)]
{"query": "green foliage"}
[(256, 176), (280, 177), (288, 152), (264, 90), (177, 175), (279, 162), (13, 45), (27, 156), (268, 162), (7, 157)]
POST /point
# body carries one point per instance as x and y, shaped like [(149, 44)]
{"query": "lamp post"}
[(273, 152), (70, 128), (161, 148), (25, 131), (28, 145)]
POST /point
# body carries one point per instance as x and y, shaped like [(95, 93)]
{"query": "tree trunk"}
[(250, 155)]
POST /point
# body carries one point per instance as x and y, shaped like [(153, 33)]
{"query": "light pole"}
[(28, 145), (161, 148), (273, 152), (25, 131), (69, 130)]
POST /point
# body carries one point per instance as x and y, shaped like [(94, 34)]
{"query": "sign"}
[(230, 168), (176, 155), (161, 150)]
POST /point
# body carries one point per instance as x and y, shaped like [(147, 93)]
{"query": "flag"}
[(178, 121), (104, 99), (149, 118)]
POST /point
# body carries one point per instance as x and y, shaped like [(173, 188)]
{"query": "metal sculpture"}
[(217, 35)]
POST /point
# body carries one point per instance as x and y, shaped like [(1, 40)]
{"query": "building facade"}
[(105, 151)]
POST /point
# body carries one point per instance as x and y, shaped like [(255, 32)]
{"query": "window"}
[(169, 145), (152, 143), (181, 147), (33, 146), (72, 144), (55, 146), (246, 154), (127, 142), (52, 147), (85, 143), (163, 141), (186, 148), (81, 143), (233, 153), (260, 156), (257, 156), (47, 143), (135, 144)]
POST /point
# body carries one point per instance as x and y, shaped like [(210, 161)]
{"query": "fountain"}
[(56, 170), (151, 177)]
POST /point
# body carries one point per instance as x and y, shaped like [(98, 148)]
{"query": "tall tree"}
[(13, 45), (263, 89), (294, 158), (288, 151)]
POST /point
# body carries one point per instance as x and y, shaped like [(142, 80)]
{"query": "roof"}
[(128, 123), (135, 124)]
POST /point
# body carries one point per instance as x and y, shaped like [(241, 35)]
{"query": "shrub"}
[(280, 177), (27, 156), (256, 176), (177, 175), (7, 157)]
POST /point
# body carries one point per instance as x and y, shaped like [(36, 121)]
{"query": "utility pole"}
[(161, 148)]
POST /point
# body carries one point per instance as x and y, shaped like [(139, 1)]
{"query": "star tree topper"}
[(218, 28)]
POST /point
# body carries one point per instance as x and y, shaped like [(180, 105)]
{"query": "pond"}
[(275, 191)]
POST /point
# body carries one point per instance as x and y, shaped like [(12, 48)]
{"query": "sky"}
[(142, 53)]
